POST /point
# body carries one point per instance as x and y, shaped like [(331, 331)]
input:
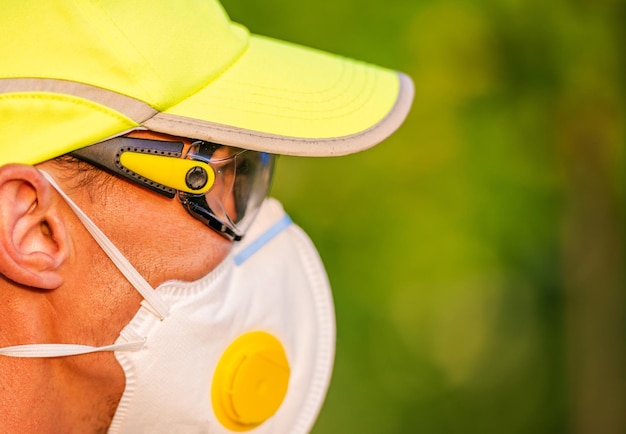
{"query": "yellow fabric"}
[(156, 51), (38, 126), (289, 90), (202, 74)]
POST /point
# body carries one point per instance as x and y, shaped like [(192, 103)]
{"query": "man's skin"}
[(58, 286)]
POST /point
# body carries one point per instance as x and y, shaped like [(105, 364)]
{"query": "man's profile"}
[(147, 284)]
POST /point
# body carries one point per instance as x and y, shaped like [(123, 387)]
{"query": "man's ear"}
[(34, 240)]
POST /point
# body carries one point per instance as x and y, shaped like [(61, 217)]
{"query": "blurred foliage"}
[(477, 256)]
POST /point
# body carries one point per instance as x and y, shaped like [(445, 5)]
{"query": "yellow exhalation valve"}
[(250, 381)]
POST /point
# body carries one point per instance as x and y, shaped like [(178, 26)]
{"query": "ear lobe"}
[(33, 235)]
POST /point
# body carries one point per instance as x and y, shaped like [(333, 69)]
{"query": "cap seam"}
[(215, 77), (127, 106), (138, 53), (68, 99)]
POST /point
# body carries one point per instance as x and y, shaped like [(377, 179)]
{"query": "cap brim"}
[(288, 99)]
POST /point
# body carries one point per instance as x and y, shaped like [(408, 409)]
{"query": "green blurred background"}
[(477, 256)]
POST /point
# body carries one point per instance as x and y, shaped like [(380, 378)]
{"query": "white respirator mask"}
[(247, 348)]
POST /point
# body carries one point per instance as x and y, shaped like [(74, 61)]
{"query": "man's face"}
[(159, 238), (167, 241)]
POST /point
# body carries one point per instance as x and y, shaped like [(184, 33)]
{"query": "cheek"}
[(199, 258), (186, 253), (162, 240)]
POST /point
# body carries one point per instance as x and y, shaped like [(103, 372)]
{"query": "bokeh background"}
[(477, 256)]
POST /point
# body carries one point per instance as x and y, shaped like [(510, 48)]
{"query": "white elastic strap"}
[(62, 350), (155, 303)]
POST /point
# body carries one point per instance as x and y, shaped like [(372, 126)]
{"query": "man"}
[(146, 286)]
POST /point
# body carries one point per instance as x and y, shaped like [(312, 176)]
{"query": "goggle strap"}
[(107, 154), (154, 302)]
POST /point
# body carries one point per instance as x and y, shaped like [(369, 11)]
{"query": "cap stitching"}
[(339, 111), (68, 99), (130, 107)]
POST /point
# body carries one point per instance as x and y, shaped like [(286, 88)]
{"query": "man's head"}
[(119, 113)]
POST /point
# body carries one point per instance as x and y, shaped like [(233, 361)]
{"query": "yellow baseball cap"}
[(76, 72)]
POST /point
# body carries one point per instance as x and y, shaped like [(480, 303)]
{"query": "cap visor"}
[(288, 99)]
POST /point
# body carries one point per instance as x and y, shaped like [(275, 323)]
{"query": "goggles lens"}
[(242, 181)]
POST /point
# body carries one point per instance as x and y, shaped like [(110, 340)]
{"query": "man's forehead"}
[(154, 135)]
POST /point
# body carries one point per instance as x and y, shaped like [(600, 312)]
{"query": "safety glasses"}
[(219, 185)]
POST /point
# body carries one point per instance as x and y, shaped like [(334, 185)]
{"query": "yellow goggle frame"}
[(154, 164)]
